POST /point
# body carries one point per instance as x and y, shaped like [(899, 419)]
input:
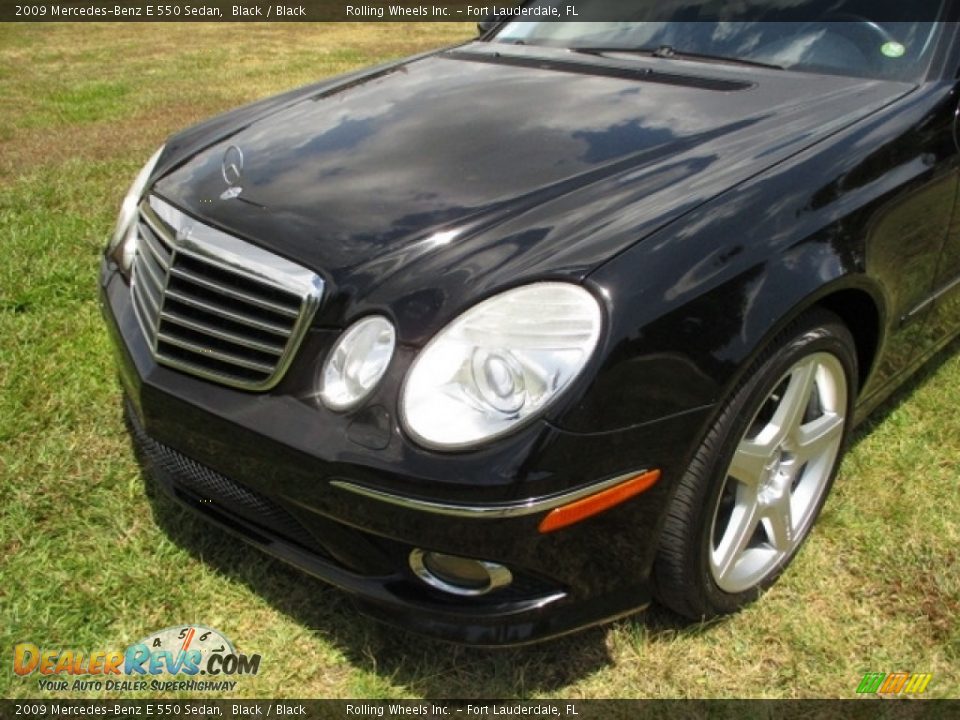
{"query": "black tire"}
[(710, 511)]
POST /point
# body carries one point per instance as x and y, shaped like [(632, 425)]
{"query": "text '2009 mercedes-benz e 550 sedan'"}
[(511, 338)]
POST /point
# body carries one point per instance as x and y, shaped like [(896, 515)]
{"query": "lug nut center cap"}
[(771, 483)]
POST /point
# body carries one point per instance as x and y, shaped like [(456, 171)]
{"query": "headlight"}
[(357, 362), (499, 364), (123, 243)]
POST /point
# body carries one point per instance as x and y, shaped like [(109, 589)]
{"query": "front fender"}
[(691, 353), (863, 213)]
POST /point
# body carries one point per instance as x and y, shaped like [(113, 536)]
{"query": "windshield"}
[(863, 38)]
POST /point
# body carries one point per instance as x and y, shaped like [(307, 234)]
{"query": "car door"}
[(944, 298), (945, 322), (907, 235)]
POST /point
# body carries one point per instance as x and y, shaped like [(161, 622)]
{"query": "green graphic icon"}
[(893, 49)]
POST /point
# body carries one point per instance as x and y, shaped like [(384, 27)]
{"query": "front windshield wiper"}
[(666, 51)]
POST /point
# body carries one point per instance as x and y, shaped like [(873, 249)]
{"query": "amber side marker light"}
[(566, 515)]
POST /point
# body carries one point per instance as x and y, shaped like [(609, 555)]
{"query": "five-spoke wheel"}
[(757, 483), (779, 473)]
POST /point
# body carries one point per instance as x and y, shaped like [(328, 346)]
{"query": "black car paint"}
[(345, 174), (647, 209)]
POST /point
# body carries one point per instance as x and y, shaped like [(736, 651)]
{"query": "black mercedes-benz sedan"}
[(512, 338)]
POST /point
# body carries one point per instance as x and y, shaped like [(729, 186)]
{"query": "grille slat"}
[(143, 312), (153, 244), (221, 311), (215, 306), (215, 354), (217, 287), (220, 334), (150, 296), (157, 275), (146, 291), (155, 225)]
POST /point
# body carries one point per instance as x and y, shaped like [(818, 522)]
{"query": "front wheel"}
[(757, 483)]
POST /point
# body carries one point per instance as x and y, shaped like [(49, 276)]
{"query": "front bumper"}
[(272, 467)]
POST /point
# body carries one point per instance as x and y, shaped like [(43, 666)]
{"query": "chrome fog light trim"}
[(496, 575)]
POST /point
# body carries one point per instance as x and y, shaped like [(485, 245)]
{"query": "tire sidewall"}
[(830, 337)]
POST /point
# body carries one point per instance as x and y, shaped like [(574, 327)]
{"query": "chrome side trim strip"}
[(949, 287), (485, 512)]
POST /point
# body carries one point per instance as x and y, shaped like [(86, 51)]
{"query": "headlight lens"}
[(499, 364), (357, 362), (123, 243)]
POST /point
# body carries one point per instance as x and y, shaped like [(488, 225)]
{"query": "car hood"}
[(417, 189)]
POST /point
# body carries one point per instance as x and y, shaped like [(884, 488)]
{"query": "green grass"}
[(90, 562)]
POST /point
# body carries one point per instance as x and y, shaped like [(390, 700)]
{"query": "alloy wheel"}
[(779, 472)]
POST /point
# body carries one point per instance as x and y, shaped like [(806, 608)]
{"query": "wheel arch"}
[(859, 305), (860, 312)]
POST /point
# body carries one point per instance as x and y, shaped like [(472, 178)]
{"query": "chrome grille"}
[(216, 306)]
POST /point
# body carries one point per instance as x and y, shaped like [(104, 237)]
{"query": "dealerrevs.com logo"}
[(191, 650)]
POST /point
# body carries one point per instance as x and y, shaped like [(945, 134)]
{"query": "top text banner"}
[(457, 11)]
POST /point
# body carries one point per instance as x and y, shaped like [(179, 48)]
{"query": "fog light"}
[(458, 575)]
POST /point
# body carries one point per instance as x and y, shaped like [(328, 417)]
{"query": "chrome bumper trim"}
[(486, 512)]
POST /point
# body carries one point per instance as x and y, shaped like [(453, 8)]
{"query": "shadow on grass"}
[(429, 668)]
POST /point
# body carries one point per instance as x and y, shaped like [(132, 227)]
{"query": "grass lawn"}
[(89, 563)]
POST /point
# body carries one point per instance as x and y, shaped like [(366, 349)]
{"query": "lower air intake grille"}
[(212, 492), (215, 306)]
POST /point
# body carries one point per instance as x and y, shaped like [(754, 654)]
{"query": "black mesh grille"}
[(208, 489)]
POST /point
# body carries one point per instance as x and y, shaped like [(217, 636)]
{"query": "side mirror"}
[(488, 24)]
